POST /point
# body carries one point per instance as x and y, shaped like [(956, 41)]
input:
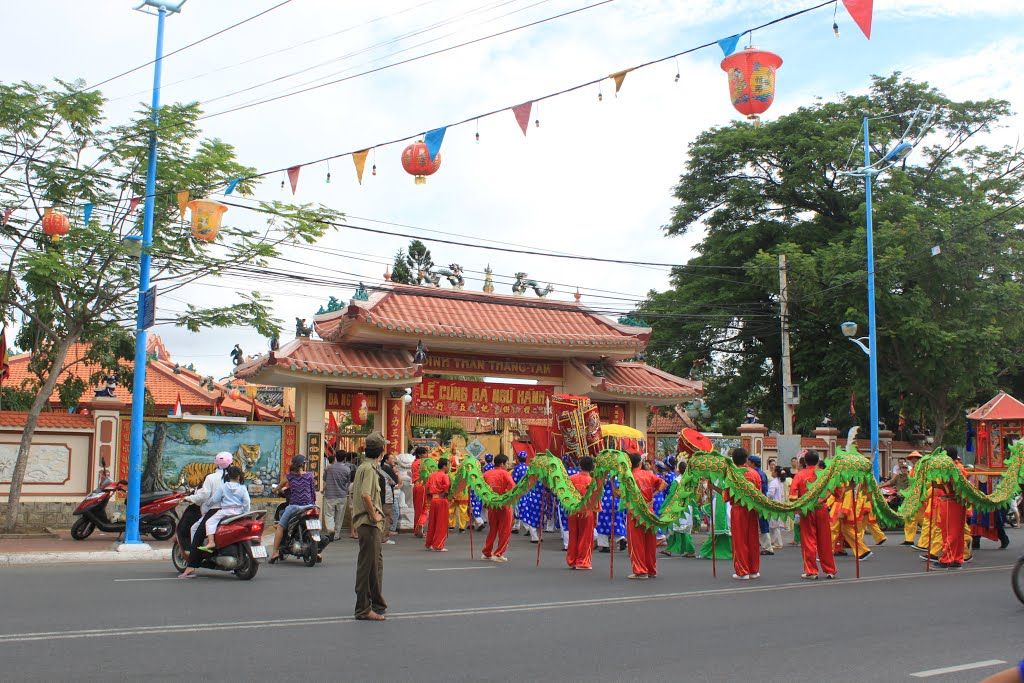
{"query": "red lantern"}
[(55, 224), (417, 162), (360, 409), (751, 80), (235, 394)]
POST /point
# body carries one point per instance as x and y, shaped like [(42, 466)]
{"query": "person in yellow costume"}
[(935, 540), (848, 522), (869, 518), (458, 511)]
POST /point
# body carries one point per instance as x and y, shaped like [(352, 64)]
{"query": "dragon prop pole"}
[(612, 540), (540, 528), (714, 546), (856, 531), (931, 533)]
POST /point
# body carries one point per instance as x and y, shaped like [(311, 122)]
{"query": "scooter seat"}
[(155, 495), (255, 514), (299, 514)]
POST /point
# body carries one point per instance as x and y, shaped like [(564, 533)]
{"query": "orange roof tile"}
[(432, 312), (11, 418), (633, 379), (1001, 407), (329, 358)]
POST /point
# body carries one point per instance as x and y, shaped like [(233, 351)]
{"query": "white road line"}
[(732, 590), (156, 578), (959, 667), (455, 569)]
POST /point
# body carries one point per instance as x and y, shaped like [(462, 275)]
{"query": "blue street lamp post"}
[(131, 533)]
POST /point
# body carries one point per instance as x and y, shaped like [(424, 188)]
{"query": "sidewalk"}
[(99, 547)]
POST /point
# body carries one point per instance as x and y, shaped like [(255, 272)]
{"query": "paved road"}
[(453, 619)]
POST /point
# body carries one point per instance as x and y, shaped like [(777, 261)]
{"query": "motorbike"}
[(302, 538), (157, 516), (892, 497), (281, 490), (239, 541)]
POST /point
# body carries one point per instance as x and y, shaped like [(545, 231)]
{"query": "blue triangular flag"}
[(433, 140), (87, 213), (232, 185), (729, 44)]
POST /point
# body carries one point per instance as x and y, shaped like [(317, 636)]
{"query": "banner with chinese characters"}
[(395, 422), (461, 398), (341, 399), (491, 366)]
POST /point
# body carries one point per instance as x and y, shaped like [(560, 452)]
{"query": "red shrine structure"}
[(997, 424), (412, 351)]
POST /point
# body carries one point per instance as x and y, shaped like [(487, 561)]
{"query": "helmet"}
[(223, 459)]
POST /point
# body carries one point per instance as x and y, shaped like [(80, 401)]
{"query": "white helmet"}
[(223, 460)]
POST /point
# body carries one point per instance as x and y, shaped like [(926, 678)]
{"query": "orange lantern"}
[(235, 394), (360, 409), (55, 224), (751, 80), (417, 162), (206, 215)]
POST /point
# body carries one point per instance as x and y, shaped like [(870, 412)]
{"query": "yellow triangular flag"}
[(359, 159), (182, 202), (618, 77)]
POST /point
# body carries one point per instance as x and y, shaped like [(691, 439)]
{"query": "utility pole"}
[(790, 397)]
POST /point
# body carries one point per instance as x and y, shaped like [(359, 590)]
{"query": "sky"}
[(594, 178)]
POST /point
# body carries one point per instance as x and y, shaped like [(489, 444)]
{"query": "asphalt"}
[(451, 618)]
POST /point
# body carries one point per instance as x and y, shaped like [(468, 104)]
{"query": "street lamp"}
[(895, 155), (131, 533)]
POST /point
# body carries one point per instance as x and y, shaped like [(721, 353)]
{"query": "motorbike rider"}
[(213, 481), (301, 492)]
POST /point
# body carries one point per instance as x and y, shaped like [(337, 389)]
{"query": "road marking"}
[(157, 578), (455, 569), (959, 667), (733, 590)]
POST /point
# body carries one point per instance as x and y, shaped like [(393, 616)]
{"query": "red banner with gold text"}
[(460, 398)]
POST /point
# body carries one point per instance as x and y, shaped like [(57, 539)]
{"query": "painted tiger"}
[(193, 473)]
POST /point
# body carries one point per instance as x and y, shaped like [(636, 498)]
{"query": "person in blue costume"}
[(608, 512), (528, 508), (668, 476), (476, 506)]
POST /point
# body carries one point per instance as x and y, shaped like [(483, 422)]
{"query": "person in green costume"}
[(680, 540), (719, 511)]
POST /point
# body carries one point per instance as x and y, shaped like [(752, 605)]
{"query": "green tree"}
[(400, 272), (418, 261), (57, 153), (949, 326)]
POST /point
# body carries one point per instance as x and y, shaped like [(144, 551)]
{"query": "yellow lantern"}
[(206, 215)]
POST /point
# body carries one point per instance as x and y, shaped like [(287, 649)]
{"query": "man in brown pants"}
[(367, 519)]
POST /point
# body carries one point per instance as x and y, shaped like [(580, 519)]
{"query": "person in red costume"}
[(746, 548), (815, 529), (954, 516), (643, 544), (581, 525), (419, 493), (438, 485), (499, 520)]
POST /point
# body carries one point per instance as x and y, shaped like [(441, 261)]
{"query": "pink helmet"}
[(223, 460)]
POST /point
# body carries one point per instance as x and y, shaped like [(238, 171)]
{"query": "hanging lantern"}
[(235, 394), (206, 215), (55, 224), (751, 80), (360, 409), (417, 162)]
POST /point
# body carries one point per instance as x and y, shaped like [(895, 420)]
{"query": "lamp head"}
[(133, 244), (898, 153), (849, 329)]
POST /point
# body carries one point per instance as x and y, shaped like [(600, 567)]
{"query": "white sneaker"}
[(741, 578), (389, 542), (500, 558), (756, 575)]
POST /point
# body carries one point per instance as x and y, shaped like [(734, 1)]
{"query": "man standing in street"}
[(438, 488), (643, 552), (746, 558), (337, 477), (815, 531), (368, 519), (499, 520), (581, 524)]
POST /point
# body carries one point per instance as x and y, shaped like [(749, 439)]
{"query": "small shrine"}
[(997, 424)]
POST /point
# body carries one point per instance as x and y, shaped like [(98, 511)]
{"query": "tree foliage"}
[(56, 152), (949, 325)]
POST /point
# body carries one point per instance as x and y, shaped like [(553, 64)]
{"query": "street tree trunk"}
[(21, 463), (153, 474)]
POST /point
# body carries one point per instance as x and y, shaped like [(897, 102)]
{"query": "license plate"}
[(312, 523), (259, 552)]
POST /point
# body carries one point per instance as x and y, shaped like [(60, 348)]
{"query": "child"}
[(232, 498), (680, 541), (777, 492)]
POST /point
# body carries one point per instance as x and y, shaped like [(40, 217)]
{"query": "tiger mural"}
[(246, 457)]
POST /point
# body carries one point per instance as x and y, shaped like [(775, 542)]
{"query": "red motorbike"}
[(239, 541), (156, 512)]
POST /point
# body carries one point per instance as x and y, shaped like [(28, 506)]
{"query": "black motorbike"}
[(302, 537)]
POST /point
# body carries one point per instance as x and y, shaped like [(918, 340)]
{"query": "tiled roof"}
[(340, 360), (632, 379), (1001, 407), (164, 384), (432, 312), (665, 424), (10, 418)]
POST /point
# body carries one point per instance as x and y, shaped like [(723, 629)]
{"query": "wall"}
[(60, 463)]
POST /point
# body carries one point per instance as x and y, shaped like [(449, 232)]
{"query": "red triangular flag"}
[(7, 215), (134, 204), (293, 177), (860, 11), (522, 113), (177, 407)]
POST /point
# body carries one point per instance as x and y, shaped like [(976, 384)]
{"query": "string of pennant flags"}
[(860, 11)]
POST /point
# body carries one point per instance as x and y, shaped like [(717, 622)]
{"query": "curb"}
[(19, 559)]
